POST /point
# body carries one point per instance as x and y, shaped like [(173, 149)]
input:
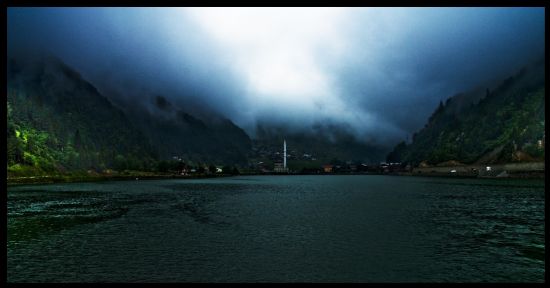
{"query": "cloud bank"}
[(377, 72)]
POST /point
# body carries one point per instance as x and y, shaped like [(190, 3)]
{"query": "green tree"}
[(227, 169), (77, 140), (163, 166), (120, 163), (212, 169), (201, 169), (235, 171)]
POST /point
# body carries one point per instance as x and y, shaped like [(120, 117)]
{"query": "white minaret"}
[(284, 154)]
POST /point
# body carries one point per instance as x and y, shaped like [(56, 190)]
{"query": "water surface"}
[(278, 229)]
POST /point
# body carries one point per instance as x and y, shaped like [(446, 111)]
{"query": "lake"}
[(349, 228)]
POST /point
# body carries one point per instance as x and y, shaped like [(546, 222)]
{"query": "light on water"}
[(278, 228)]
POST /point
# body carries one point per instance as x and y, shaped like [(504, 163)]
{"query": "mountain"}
[(504, 125), (326, 144), (57, 121), (175, 133)]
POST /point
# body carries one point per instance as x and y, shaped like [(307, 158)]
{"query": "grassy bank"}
[(531, 171), (509, 170), (93, 177)]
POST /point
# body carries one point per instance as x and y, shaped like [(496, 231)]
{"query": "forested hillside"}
[(507, 125), (57, 122), (176, 133), (325, 144)]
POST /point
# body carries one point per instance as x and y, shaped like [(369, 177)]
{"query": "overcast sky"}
[(380, 72)]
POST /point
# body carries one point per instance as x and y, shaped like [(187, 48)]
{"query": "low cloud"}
[(377, 72)]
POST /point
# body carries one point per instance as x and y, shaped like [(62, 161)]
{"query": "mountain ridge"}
[(506, 125), (58, 121)]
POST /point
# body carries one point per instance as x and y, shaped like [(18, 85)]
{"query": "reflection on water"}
[(278, 228)]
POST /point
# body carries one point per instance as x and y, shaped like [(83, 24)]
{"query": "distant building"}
[(284, 154), (328, 168), (184, 171), (279, 168)]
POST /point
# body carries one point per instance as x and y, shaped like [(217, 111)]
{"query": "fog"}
[(376, 72)]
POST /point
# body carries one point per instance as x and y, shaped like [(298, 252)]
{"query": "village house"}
[(328, 168), (279, 168)]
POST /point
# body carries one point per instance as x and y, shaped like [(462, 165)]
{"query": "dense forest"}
[(506, 125), (49, 129), (175, 133), (58, 122), (325, 143)]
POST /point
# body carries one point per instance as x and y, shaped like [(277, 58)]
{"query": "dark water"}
[(279, 228)]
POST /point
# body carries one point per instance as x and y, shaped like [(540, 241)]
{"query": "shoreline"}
[(525, 170), (51, 179)]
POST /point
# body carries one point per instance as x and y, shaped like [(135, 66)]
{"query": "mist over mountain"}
[(502, 125), (324, 142), (175, 133), (376, 73), (129, 88), (57, 121)]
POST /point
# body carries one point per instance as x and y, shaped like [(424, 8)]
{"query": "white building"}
[(281, 167)]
